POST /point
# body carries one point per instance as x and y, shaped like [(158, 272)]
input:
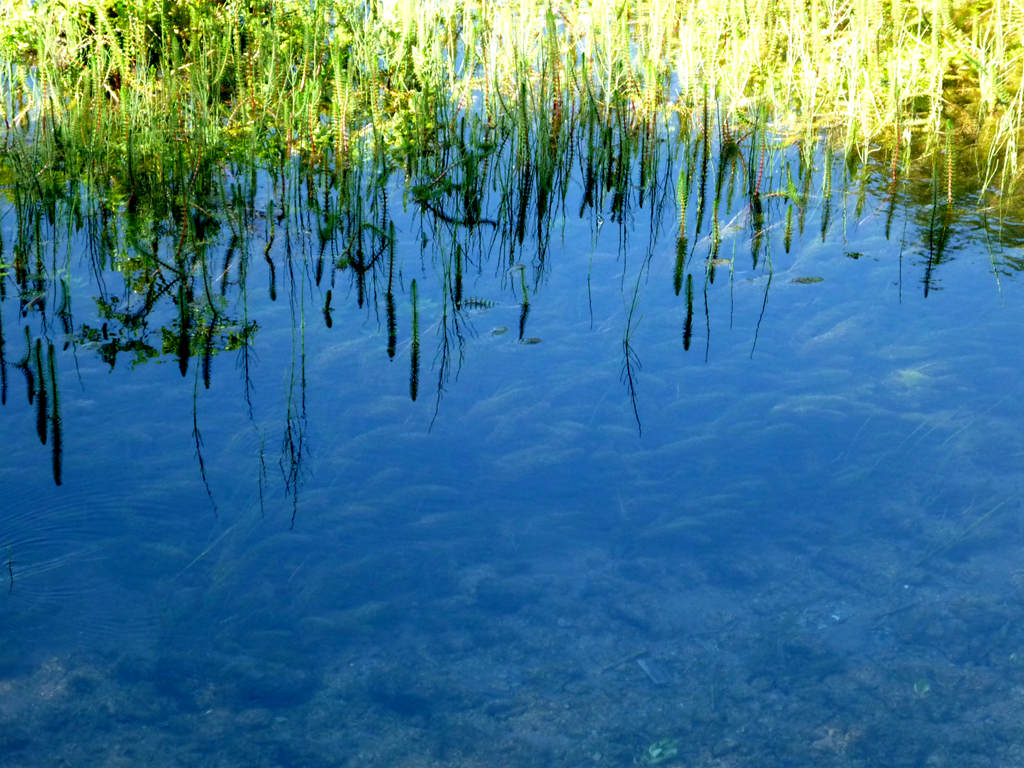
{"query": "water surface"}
[(790, 539)]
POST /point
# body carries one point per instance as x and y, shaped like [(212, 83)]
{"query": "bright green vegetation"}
[(125, 90), (182, 143)]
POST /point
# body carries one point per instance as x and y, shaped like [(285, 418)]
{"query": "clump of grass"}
[(186, 144), (166, 111), (118, 85)]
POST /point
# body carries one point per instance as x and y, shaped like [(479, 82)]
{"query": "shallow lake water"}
[(796, 542)]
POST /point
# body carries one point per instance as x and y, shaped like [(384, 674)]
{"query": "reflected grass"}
[(340, 148)]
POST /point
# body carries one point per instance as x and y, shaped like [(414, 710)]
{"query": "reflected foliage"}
[(181, 270)]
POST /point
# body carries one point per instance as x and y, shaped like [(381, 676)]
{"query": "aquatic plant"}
[(183, 143), (118, 85), (414, 355)]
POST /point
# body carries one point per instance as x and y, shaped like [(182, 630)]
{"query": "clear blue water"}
[(801, 548)]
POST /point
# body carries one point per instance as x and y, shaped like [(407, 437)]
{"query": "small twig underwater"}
[(208, 548), (953, 541)]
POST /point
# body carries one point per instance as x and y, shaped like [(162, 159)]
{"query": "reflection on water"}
[(478, 471)]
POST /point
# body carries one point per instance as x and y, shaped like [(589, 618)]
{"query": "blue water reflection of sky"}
[(801, 544)]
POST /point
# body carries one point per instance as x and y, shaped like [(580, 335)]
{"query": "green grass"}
[(185, 139), (183, 148), (122, 88)]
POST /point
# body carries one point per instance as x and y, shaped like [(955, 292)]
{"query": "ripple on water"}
[(77, 572)]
